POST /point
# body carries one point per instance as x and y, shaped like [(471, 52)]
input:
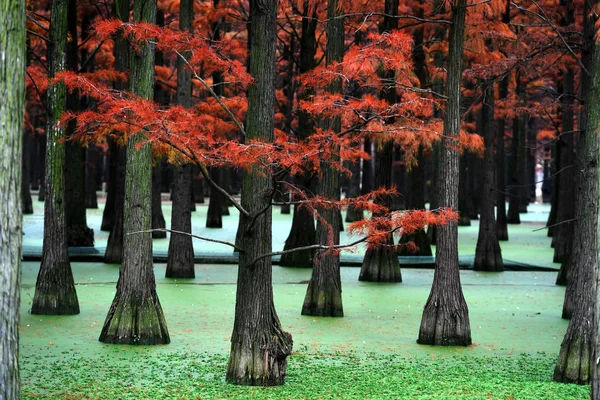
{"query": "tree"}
[(55, 288), (180, 263), (259, 346), (445, 318), (324, 291), (12, 116), (136, 316)]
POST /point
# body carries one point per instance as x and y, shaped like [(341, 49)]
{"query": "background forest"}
[(319, 136)]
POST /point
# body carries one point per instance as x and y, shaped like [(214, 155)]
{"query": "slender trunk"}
[(446, 316), (463, 204), (214, 215), (114, 246), (158, 219), (501, 222), (259, 346), (26, 202), (136, 316), (55, 288), (41, 141), (354, 214), (488, 256), (92, 156), (12, 115), (516, 174)]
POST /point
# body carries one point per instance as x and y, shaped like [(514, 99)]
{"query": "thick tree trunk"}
[(324, 292), (12, 115), (158, 219), (136, 316), (575, 358), (446, 316), (259, 346), (26, 202), (488, 256), (180, 262), (55, 288), (78, 233), (563, 233)]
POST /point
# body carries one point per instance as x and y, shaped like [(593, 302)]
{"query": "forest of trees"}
[(414, 117)]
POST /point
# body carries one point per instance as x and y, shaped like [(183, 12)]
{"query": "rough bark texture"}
[(302, 232), (12, 115), (575, 357), (136, 316), (55, 289), (324, 292), (259, 346), (488, 256), (180, 262), (446, 316)]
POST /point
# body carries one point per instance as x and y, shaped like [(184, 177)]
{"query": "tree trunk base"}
[(260, 364), (80, 236), (444, 324), (134, 320), (489, 257), (432, 234), (561, 278), (501, 232), (57, 295), (323, 302), (562, 251), (420, 239), (380, 265), (573, 365)]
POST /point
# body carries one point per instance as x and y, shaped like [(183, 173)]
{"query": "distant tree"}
[(55, 288), (445, 318), (12, 117)]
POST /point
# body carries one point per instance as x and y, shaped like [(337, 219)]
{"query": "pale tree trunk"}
[(445, 319), (259, 345), (12, 116), (180, 262), (55, 288), (136, 316)]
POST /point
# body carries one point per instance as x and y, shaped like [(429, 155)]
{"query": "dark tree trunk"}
[(55, 288), (516, 152), (575, 358), (488, 256), (158, 219), (41, 141), (114, 246), (552, 217), (368, 174), (92, 156), (354, 214), (501, 221), (114, 170), (26, 202), (464, 218), (446, 316), (563, 238), (136, 316), (214, 215), (180, 262), (324, 292), (302, 232), (259, 346), (12, 115), (197, 186), (78, 233)]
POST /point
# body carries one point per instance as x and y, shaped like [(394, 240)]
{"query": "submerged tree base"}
[(444, 324), (489, 257), (56, 295), (380, 265), (260, 363), (573, 365), (421, 241), (135, 320), (80, 236), (323, 302)]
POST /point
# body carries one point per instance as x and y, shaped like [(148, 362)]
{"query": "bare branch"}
[(191, 235)]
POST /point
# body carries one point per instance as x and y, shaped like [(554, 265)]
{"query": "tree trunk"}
[(41, 141), (135, 316), (501, 221), (158, 219), (214, 215), (92, 155), (78, 233), (259, 346), (575, 358), (180, 262), (114, 246), (488, 256), (464, 218), (108, 215), (12, 115), (55, 288), (516, 173), (353, 214), (445, 319), (368, 175), (26, 202)]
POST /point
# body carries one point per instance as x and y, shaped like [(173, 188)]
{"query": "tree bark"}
[(92, 156), (12, 115), (214, 215), (575, 358), (158, 219), (488, 256), (445, 319), (55, 288), (180, 262), (516, 172), (136, 316), (259, 346), (26, 201), (501, 221)]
